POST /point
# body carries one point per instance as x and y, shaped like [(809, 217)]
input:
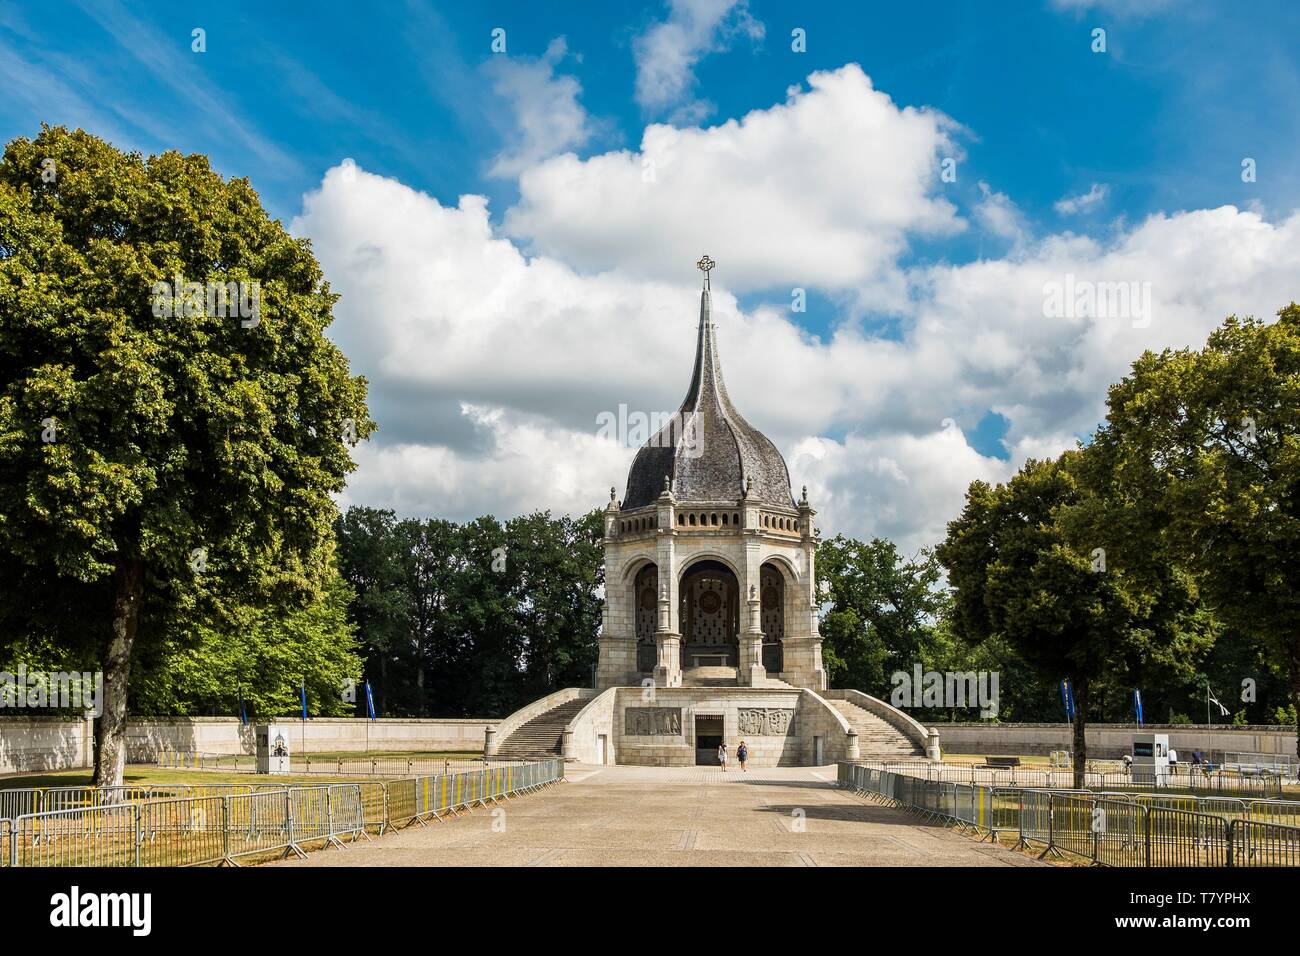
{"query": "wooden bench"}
[(1000, 763)]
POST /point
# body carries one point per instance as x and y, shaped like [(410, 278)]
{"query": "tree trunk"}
[(110, 740), (1080, 731), (1295, 699)]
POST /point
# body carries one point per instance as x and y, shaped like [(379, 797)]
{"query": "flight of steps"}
[(721, 677), (877, 738), (709, 677), (543, 736)]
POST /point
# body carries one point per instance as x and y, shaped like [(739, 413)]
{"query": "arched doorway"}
[(709, 615), (645, 601), (771, 587)]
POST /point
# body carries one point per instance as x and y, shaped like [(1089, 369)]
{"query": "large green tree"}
[(880, 610), (157, 470), (1211, 439), (474, 619), (1047, 564), (262, 657)]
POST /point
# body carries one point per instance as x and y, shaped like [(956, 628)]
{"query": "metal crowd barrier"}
[(1114, 829), (184, 825), (1219, 782), (436, 795), (1183, 838), (188, 831), (1264, 844)]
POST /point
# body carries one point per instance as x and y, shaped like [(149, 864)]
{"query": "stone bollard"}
[(854, 747), (567, 749), (932, 745), (489, 741)]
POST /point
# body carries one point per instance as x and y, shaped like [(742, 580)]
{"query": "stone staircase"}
[(709, 677), (543, 736), (877, 738), (721, 677)]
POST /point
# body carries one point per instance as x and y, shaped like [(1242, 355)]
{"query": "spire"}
[(709, 452)]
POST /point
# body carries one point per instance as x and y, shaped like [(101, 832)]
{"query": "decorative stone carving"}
[(652, 722), (766, 721)]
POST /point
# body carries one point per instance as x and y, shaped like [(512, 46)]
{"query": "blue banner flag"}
[(243, 711), (303, 689), (370, 701), (1067, 698), (1137, 705)]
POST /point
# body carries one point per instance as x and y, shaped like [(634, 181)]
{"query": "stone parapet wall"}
[(28, 744), (1111, 741)]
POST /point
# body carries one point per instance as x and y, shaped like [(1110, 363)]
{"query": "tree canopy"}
[(1211, 438), (166, 459), (474, 619)]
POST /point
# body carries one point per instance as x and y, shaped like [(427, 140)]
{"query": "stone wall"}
[(45, 743), (592, 722), (1110, 740), (42, 743)]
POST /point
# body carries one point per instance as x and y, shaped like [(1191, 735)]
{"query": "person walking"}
[(742, 754), (722, 756)]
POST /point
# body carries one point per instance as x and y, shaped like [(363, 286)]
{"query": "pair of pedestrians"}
[(742, 754)]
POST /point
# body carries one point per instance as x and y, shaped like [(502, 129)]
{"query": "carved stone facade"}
[(766, 721), (652, 721)]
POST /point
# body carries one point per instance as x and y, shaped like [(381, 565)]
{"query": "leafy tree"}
[(157, 471), (430, 563), (374, 561), (882, 613), (1211, 439), (266, 656), (560, 566), (1023, 561), (473, 619)]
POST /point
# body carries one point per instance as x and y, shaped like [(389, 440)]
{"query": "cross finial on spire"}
[(704, 265)]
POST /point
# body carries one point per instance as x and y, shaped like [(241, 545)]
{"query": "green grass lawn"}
[(143, 776)]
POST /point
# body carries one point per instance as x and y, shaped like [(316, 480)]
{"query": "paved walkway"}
[(689, 816)]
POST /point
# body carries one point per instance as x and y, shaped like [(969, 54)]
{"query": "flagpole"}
[(1209, 747)]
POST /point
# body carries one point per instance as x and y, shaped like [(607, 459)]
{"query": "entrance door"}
[(819, 752), (600, 748), (708, 737)]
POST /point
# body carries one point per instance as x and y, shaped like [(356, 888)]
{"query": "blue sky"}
[(1067, 160), (1164, 117)]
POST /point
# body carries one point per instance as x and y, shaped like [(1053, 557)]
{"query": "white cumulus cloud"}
[(823, 190), (492, 351)]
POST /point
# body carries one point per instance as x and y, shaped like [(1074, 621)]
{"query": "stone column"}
[(668, 637), (489, 741), (752, 673), (668, 667)]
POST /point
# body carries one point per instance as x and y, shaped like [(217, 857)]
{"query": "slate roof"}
[(709, 450)]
